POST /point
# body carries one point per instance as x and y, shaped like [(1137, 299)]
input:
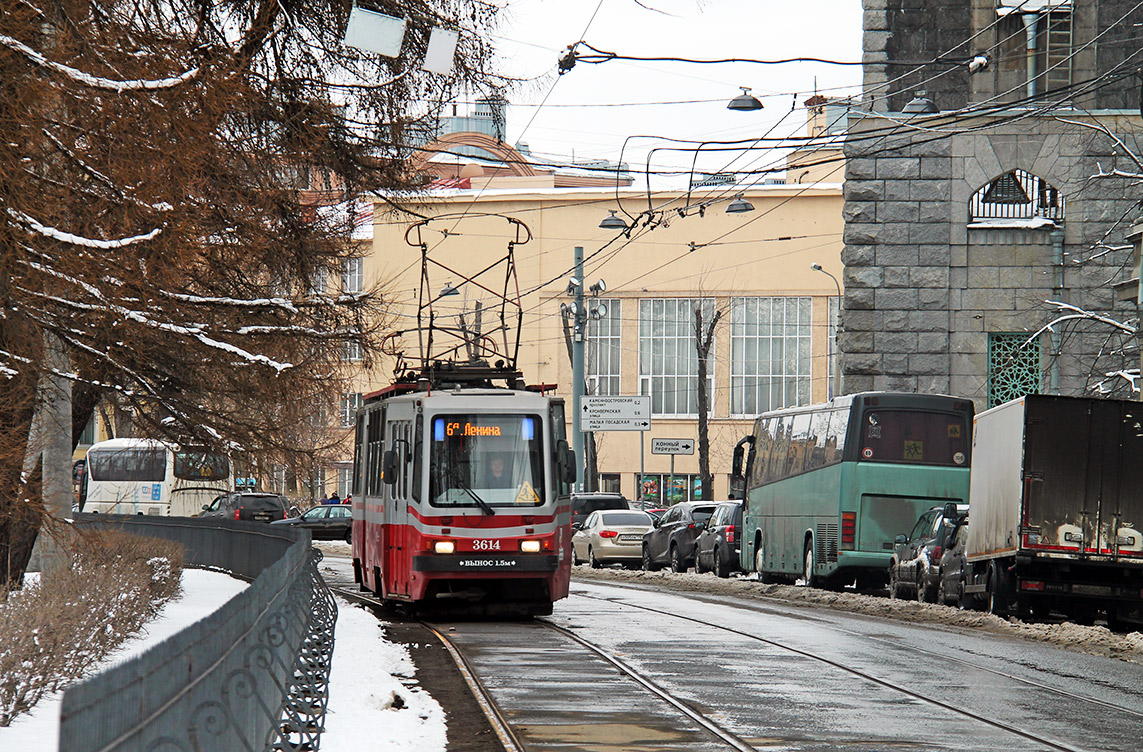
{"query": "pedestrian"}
[(334, 498), (348, 499), (322, 500)]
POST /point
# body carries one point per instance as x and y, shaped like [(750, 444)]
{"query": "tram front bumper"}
[(491, 562)]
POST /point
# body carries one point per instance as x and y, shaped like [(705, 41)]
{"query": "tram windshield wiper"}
[(485, 507)]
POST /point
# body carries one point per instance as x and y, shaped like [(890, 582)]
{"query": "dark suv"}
[(915, 568), (247, 505), (584, 504), (717, 546), (673, 539)]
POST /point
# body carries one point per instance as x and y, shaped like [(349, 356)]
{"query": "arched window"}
[(1017, 195)]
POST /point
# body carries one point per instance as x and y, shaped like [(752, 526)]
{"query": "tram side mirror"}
[(389, 466), (565, 461)]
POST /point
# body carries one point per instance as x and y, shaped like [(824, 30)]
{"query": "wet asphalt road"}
[(819, 680)]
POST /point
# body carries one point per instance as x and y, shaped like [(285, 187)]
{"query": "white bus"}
[(146, 476)]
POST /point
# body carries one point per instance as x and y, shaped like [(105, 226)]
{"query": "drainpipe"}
[(1031, 25), (1057, 238)]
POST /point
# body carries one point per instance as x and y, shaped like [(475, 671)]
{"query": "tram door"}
[(399, 438)]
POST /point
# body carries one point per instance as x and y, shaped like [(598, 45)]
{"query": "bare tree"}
[(156, 220), (705, 326)]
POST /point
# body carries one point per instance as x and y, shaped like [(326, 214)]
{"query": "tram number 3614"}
[(485, 545)]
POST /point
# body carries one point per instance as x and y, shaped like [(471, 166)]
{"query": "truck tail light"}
[(848, 530), (608, 534), (1032, 585)]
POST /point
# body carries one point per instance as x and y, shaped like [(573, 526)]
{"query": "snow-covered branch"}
[(1075, 314), (97, 82), (67, 237)]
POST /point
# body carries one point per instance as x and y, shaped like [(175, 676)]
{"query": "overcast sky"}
[(576, 121)]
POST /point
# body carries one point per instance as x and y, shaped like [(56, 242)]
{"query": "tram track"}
[(1050, 743)]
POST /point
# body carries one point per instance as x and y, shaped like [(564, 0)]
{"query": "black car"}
[(950, 590), (673, 539), (328, 522), (584, 504), (247, 505), (915, 566), (717, 546)]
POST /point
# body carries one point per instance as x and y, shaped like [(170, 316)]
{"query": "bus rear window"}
[(914, 437), (127, 464)]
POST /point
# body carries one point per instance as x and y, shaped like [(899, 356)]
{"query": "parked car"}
[(716, 548), (584, 504), (656, 514), (247, 505), (950, 590), (324, 522), (914, 568), (611, 536), (672, 541)]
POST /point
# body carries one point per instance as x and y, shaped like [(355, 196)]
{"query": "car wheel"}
[(942, 591), (699, 569), (922, 589), (575, 558), (677, 563), (720, 570), (808, 569), (894, 584), (591, 560), (349, 536), (648, 564)]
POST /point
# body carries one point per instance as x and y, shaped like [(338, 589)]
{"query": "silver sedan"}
[(611, 536)]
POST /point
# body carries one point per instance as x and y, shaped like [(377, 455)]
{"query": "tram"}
[(461, 493)]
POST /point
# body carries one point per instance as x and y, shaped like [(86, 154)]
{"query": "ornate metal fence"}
[(251, 676)]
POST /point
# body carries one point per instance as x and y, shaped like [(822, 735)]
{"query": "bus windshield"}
[(478, 460), (914, 437), (197, 463), (135, 464)]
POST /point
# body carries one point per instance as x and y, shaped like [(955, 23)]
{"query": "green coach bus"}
[(828, 487)]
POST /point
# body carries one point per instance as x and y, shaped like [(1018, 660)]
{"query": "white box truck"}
[(1056, 494)]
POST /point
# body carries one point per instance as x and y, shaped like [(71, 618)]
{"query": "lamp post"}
[(579, 314), (830, 377)]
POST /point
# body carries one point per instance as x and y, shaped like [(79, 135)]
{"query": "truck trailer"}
[(1056, 494)]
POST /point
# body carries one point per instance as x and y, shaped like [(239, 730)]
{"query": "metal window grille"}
[(668, 360), (1017, 195), (1013, 367), (770, 349), (604, 348)]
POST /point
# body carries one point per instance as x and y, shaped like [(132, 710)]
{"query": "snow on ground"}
[(202, 593), (368, 675), (374, 703), (1094, 640)]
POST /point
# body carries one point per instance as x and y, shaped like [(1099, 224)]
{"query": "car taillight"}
[(607, 534), (730, 535), (936, 553), (848, 530), (691, 526), (238, 513)]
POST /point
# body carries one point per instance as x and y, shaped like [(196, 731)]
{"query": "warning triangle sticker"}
[(527, 494)]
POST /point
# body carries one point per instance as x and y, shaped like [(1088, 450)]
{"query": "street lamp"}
[(744, 102), (739, 206), (830, 378)]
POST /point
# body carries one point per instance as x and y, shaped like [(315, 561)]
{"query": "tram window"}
[(480, 459), (418, 451)]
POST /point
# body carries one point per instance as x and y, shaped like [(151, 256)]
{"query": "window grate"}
[(1017, 195), (1013, 367)]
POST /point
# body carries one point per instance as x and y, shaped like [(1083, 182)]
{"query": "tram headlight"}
[(530, 546), (444, 547)]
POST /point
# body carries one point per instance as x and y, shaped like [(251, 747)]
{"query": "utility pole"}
[(579, 326)]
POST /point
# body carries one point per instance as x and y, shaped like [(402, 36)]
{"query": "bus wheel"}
[(808, 572)]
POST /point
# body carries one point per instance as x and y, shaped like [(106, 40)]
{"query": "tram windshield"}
[(483, 460)]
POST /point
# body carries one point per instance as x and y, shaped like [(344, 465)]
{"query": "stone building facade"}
[(969, 231)]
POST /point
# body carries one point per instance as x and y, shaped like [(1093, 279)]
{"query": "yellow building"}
[(772, 344)]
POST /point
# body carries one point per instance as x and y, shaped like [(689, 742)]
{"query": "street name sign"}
[(615, 413), (672, 446)]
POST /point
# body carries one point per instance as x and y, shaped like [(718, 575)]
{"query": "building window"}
[(1017, 195), (833, 389), (668, 360), (344, 480), (770, 346), (316, 282), (667, 489), (604, 347), (1013, 367), (609, 482), (352, 275), (351, 351), (88, 435), (350, 403)]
